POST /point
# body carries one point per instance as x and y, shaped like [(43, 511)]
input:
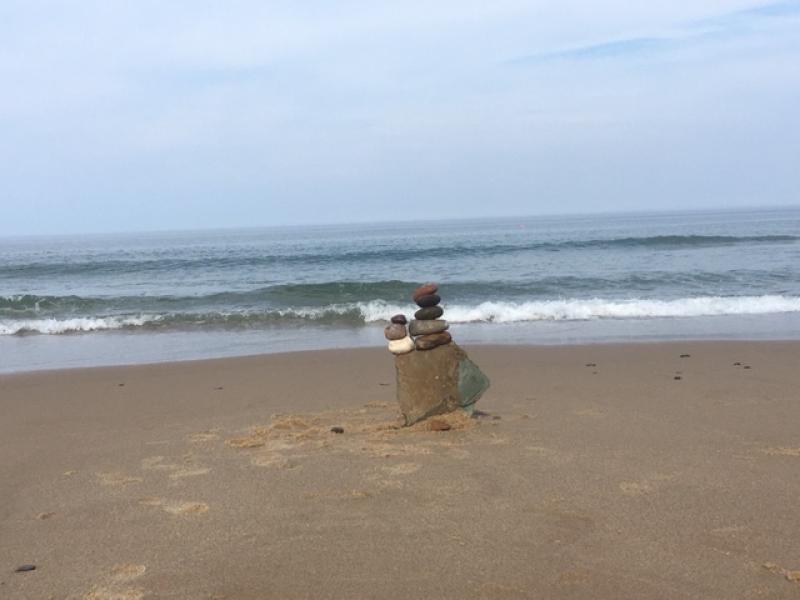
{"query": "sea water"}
[(124, 298)]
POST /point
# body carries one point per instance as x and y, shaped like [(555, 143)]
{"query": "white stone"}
[(403, 346)]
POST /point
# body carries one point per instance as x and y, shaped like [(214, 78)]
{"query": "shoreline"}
[(115, 348), (616, 471), (210, 361)]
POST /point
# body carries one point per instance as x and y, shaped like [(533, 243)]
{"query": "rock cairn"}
[(428, 329), (434, 375)]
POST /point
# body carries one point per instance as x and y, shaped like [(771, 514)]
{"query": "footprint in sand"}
[(183, 473), (117, 479), (588, 412), (116, 586), (793, 576), (176, 507), (203, 437), (402, 469), (127, 572), (542, 451), (458, 453), (644, 486), (255, 440), (782, 451), (104, 592), (156, 463), (275, 461)]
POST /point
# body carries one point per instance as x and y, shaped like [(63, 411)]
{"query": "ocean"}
[(128, 298)]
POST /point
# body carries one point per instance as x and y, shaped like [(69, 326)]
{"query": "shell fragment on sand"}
[(427, 327), (403, 346)]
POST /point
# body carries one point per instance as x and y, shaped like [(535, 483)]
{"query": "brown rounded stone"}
[(429, 300), (428, 314), (395, 331), (439, 425), (428, 342), (399, 319), (424, 290), (427, 327)]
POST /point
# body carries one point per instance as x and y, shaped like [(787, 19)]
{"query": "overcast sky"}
[(119, 115)]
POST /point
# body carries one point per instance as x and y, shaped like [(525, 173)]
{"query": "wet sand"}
[(602, 471)]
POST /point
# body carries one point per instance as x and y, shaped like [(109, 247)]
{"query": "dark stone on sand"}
[(686, 355), (337, 429), (591, 365), (120, 385), (737, 364), (25, 568), (428, 314), (425, 289), (438, 381), (429, 300), (677, 377), (427, 327), (395, 331), (399, 319), (434, 340), (747, 367)]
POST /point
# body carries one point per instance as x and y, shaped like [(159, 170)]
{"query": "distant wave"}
[(389, 253), (376, 311), (75, 325), (393, 291), (574, 310)]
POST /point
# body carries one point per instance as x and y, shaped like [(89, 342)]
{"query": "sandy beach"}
[(648, 471)]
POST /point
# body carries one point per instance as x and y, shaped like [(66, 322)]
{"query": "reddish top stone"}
[(424, 290)]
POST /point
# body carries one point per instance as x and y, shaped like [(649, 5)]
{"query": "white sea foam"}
[(380, 311), (56, 326), (597, 308)]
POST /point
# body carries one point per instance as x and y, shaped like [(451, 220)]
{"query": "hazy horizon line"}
[(383, 222)]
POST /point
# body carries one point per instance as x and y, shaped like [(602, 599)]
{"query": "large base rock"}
[(437, 381)]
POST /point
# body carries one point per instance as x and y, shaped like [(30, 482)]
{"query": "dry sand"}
[(221, 479)]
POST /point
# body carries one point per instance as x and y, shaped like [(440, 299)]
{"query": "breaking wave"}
[(356, 314)]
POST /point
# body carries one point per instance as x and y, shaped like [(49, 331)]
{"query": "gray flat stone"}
[(427, 327)]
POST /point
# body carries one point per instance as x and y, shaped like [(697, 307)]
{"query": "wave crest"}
[(356, 314)]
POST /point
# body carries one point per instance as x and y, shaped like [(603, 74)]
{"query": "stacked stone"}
[(428, 329), (399, 340)]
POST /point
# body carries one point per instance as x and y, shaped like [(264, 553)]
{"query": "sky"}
[(150, 115)]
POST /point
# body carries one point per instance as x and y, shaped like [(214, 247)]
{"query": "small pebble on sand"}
[(439, 425), (25, 568)]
